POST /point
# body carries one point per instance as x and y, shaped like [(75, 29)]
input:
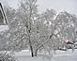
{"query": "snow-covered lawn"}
[(58, 56), (24, 55)]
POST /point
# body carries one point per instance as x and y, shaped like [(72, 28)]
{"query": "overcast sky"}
[(58, 5)]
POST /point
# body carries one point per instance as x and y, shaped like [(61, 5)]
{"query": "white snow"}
[(3, 28), (59, 56), (24, 55)]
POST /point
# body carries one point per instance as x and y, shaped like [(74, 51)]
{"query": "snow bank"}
[(62, 53), (3, 28), (23, 53)]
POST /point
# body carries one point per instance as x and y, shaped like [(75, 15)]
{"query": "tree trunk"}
[(31, 51), (31, 48)]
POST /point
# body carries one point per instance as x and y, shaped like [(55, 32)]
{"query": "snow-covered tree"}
[(65, 25), (46, 31), (27, 14)]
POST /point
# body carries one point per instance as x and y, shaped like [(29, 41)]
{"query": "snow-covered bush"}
[(7, 57)]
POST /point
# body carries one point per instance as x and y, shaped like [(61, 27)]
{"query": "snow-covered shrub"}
[(7, 57)]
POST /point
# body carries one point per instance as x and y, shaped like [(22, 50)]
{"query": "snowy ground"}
[(4, 28), (59, 56)]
